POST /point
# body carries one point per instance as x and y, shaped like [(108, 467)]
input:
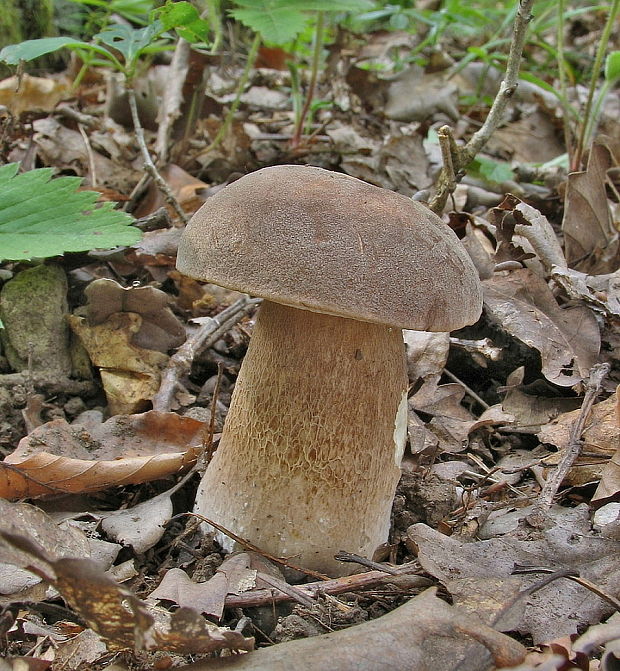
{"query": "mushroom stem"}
[(309, 458)]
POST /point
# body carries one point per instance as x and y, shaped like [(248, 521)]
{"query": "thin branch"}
[(171, 105), (573, 449), (180, 363), (465, 155), (349, 583), (148, 161)]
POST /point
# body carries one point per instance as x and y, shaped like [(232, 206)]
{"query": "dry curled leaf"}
[(131, 375), (591, 239), (568, 339), (57, 457), (115, 613), (601, 440)]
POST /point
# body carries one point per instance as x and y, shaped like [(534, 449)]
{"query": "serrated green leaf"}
[(31, 49), (42, 217), (272, 22), (612, 66), (184, 18)]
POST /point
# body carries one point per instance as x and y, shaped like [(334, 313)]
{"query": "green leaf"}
[(185, 19), (612, 66), (131, 42), (490, 170), (31, 49), (280, 21), (272, 22), (42, 217)]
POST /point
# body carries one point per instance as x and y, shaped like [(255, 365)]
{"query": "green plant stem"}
[(215, 19), (316, 62), (243, 80), (568, 143), (587, 124), (148, 161)]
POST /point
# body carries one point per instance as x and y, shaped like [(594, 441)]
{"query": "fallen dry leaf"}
[(591, 239), (28, 93), (130, 375), (601, 440), (115, 613), (414, 637), (480, 575), (57, 542), (568, 339), (160, 329), (57, 457)]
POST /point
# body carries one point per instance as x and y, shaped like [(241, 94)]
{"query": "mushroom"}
[(310, 453)]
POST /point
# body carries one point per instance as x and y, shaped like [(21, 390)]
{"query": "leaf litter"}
[(491, 412)]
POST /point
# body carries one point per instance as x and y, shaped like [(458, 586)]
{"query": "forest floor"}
[(116, 375)]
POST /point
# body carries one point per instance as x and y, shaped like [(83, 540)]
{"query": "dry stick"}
[(246, 545), (555, 479), (91, 157), (171, 108), (349, 583), (148, 161), (463, 156), (180, 362)]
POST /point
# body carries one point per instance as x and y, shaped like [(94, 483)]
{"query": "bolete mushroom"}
[(310, 453)]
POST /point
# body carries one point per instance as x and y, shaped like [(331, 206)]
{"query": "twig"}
[(555, 479), (349, 583), (363, 561), (91, 156), (468, 389), (465, 155), (172, 101), (181, 362), (148, 161), (247, 545), (569, 574), (79, 117)]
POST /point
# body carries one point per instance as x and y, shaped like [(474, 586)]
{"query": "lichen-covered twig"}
[(464, 155)]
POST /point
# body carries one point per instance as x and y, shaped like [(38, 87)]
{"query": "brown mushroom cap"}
[(326, 242)]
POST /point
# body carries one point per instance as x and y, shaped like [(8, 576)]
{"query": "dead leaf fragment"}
[(568, 339), (591, 239), (413, 637), (58, 542), (28, 93), (131, 375), (57, 457), (476, 572), (160, 329), (116, 614), (601, 440)]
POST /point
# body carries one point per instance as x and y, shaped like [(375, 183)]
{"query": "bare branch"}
[(465, 155)]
